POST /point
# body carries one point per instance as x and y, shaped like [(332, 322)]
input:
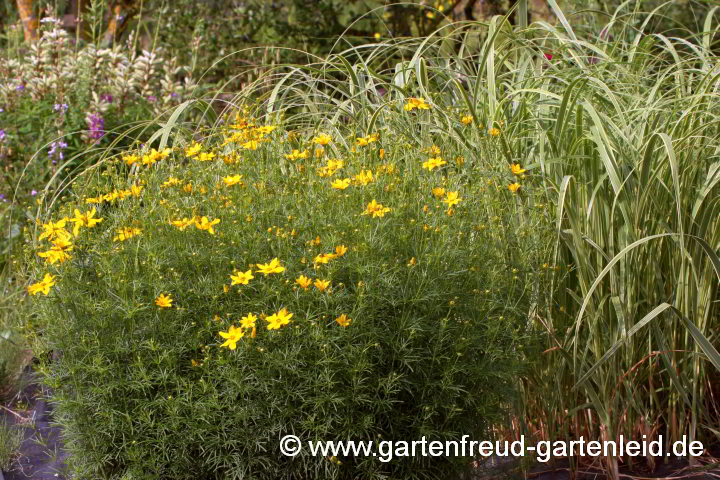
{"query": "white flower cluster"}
[(118, 75)]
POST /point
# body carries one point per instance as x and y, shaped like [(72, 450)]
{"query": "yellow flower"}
[(277, 320), (517, 169), (364, 177), (55, 231), (412, 262), (321, 285), (413, 103), (322, 139), (248, 321), (241, 278), (130, 159), (340, 184), (266, 129), (323, 258), (232, 336), (343, 320), (438, 192), (42, 286), (381, 153), (434, 150), (205, 224), (297, 154), (183, 224), (363, 141), (377, 36), (467, 119), (84, 220), (135, 191), (58, 252), (513, 187), (205, 157), (272, 267), (303, 281), (452, 199), (250, 145), (171, 181), (232, 180), (193, 150), (376, 209), (164, 301), (340, 250), (494, 132), (126, 233), (433, 163)]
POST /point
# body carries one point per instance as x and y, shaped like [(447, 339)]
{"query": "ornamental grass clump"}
[(225, 295)]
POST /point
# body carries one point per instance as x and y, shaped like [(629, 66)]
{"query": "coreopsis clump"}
[(351, 295)]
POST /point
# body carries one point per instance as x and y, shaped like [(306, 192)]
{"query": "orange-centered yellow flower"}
[(193, 150), (494, 132), (272, 267), (232, 180), (205, 224), (232, 336), (184, 223), (438, 192), (513, 187), (55, 230), (241, 278), (343, 320), (467, 119), (376, 209), (340, 250), (126, 233), (321, 139), (413, 103), (321, 285), (164, 301), (364, 177), (517, 169), (433, 163), (42, 286), (340, 184), (452, 199), (277, 320), (303, 281), (84, 220)]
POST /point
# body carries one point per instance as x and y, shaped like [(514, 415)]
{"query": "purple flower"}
[(61, 107), (33, 193), (97, 126), (173, 94), (106, 97), (20, 88), (57, 148), (2, 135), (2, 197), (152, 98)]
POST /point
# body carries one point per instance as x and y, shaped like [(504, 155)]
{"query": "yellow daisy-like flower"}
[(438, 192), (321, 285), (248, 321), (303, 281), (467, 119), (517, 169), (340, 250), (205, 224), (184, 223), (135, 190), (277, 320), (322, 139), (323, 258), (84, 220), (251, 145), (240, 278), (206, 156), (272, 267), (364, 177), (413, 103), (232, 336), (59, 251), (193, 150), (340, 184), (377, 36), (233, 180), (42, 286), (171, 182), (494, 132), (513, 187), (130, 159), (433, 163), (297, 154), (364, 141), (376, 209), (126, 233), (343, 320), (452, 199), (164, 301), (53, 231)]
